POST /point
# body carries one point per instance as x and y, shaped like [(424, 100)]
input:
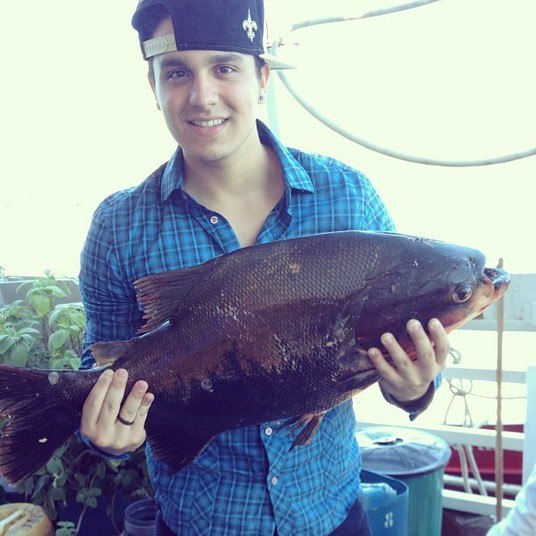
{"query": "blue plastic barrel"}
[(385, 500), (418, 459)]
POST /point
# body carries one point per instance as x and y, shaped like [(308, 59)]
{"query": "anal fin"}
[(177, 448)]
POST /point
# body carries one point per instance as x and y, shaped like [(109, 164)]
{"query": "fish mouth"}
[(500, 280)]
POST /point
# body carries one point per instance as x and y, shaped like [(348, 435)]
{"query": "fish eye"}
[(462, 293)]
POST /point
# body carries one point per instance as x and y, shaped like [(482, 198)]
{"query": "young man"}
[(231, 184)]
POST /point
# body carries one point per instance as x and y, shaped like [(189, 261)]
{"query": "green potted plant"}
[(77, 488)]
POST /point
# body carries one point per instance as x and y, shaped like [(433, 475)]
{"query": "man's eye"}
[(225, 69), (177, 74)]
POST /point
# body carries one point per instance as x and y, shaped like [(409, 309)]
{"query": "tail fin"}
[(38, 419)]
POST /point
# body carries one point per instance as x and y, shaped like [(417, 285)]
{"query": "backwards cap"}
[(230, 25)]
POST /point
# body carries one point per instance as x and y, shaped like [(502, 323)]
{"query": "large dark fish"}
[(265, 333)]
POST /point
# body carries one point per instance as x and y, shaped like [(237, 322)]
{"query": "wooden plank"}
[(472, 503), (459, 435), (486, 375)]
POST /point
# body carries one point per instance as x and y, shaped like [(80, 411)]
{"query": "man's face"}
[(209, 99)]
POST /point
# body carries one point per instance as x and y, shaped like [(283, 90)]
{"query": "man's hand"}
[(113, 428), (408, 380)]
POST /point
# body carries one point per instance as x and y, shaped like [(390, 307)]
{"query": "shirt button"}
[(274, 480), (268, 431), (214, 219)]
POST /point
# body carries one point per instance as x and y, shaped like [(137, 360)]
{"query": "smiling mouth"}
[(208, 124)]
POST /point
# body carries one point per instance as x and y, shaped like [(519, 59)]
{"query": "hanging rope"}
[(499, 460)]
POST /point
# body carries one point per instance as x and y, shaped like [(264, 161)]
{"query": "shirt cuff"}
[(96, 450), (413, 407)]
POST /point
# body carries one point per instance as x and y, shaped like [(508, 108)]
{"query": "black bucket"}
[(140, 517)]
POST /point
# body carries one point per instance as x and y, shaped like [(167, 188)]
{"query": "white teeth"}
[(206, 124)]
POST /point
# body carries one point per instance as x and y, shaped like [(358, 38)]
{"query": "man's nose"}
[(203, 92)]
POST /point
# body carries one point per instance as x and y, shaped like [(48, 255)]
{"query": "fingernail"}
[(434, 323), (387, 338), (121, 374), (142, 386), (414, 325), (107, 374)]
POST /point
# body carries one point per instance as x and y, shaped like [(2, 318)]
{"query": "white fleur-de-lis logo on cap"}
[(250, 26)]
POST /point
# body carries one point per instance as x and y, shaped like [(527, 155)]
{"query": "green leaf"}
[(95, 492), (54, 466), (75, 363), (29, 331), (65, 528), (6, 342), (79, 318), (57, 363), (41, 303), (54, 315), (19, 355), (22, 285), (58, 339), (58, 494), (29, 340), (57, 292)]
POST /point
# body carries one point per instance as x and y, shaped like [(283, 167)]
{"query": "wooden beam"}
[(472, 503)]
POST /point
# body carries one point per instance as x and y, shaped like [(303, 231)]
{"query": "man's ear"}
[(265, 77), (150, 79)]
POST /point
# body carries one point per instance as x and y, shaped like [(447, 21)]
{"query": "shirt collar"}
[(294, 175)]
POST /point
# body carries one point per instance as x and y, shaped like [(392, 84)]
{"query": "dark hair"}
[(152, 18), (151, 21)]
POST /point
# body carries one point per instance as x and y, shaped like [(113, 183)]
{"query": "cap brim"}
[(276, 63)]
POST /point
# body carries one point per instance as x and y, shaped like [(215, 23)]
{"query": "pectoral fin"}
[(358, 381), (310, 423)]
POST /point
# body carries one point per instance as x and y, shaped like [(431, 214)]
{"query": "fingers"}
[(134, 410), (112, 401), (386, 370), (441, 341), (110, 423), (94, 401), (407, 378)]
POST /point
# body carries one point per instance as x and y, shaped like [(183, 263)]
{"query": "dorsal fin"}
[(163, 295)]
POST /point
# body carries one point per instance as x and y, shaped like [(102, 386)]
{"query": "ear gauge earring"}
[(158, 105), (261, 97)]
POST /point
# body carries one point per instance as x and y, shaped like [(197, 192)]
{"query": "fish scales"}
[(270, 332)]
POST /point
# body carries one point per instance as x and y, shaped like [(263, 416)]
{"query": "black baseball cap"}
[(230, 25)]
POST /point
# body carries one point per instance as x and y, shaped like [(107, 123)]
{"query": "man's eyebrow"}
[(174, 62), (226, 57), (177, 62)]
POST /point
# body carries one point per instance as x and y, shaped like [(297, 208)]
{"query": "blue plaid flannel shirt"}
[(247, 481)]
